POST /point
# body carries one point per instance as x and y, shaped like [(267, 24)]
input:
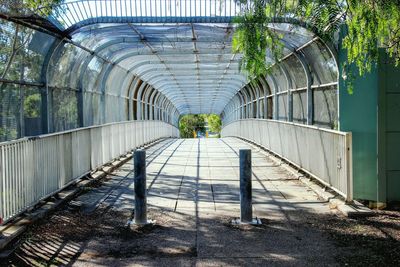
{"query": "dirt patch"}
[(371, 241), (65, 236)]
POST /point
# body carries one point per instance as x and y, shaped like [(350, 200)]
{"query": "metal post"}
[(140, 187), (246, 211)]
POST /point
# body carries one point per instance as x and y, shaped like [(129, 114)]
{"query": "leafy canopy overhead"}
[(371, 24), (40, 7)]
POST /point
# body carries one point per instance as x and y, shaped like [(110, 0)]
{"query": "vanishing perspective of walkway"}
[(84, 84), (193, 194)]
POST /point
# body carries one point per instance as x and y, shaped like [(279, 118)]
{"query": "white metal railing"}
[(32, 169), (322, 153)]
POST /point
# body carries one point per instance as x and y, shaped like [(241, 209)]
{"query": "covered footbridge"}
[(96, 79)]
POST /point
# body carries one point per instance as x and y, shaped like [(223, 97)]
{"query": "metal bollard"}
[(246, 210), (140, 187)]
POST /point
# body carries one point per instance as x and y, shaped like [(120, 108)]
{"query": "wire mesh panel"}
[(32, 169)]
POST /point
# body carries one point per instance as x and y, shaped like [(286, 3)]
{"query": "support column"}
[(140, 187), (246, 209), (310, 104)]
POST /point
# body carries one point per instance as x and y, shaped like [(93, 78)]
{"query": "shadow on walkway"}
[(193, 202)]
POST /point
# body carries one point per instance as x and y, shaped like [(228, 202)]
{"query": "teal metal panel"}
[(393, 185), (358, 114), (372, 114), (389, 129), (393, 112), (393, 152)]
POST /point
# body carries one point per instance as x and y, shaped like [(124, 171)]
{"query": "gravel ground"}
[(67, 235), (372, 241)]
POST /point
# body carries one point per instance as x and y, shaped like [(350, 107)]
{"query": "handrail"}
[(40, 136), (322, 153), (31, 169), (294, 124)]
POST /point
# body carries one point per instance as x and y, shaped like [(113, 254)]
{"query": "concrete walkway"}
[(193, 194)]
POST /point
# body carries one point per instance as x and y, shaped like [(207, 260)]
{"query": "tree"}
[(371, 24), (32, 106), (190, 123), (18, 63), (27, 7), (214, 122)]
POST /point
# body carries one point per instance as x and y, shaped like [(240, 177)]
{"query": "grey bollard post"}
[(140, 187), (246, 210)]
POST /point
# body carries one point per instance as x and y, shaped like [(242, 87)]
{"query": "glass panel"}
[(282, 107), (32, 102), (294, 35), (300, 107), (22, 52), (326, 107), (65, 110), (296, 72), (91, 78), (20, 111), (88, 106), (270, 106), (323, 65), (115, 80), (112, 114), (279, 78), (66, 66)]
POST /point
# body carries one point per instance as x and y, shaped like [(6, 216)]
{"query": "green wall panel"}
[(393, 182), (393, 113), (389, 128), (372, 114), (358, 114), (392, 152)]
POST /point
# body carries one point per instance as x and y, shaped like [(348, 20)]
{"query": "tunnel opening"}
[(105, 77), (200, 126)]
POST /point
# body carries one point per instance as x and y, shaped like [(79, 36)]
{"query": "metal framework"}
[(301, 88), (134, 67), (157, 60), (74, 14)]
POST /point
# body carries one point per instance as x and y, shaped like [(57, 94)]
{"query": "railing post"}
[(246, 210), (349, 167), (140, 187)]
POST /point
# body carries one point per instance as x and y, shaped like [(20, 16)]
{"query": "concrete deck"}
[(193, 194)]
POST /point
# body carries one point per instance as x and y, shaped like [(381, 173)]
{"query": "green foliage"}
[(214, 122), (190, 123), (65, 110), (19, 7), (371, 24), (197, 123), (42, 7), (19, 63), (32, 106), (7, 134), (252, 38)]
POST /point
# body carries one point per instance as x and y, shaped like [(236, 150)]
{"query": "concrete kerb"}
[(352, 210), (13, 229)]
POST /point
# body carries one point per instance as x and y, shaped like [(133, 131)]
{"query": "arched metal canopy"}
[(191, 64), (180, 48)]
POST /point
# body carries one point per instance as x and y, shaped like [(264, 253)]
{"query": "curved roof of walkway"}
[(182, 48)]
